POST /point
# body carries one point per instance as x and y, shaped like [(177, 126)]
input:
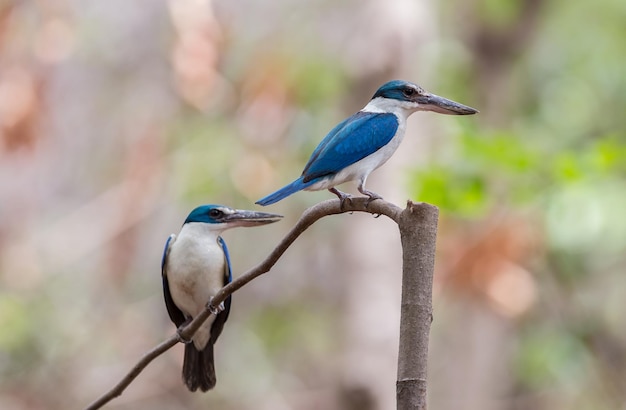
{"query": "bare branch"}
[(308, 218), (134, 372), (418, 234)]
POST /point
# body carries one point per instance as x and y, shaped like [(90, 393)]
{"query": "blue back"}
[(352, 140)]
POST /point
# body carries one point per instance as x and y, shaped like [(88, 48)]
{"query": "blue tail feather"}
[(284, 192)]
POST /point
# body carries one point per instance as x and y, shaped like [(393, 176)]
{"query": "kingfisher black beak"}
[(251, 218), (435, 103)]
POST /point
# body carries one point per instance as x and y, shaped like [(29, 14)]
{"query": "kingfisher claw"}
[(215, 309), (179, 332), (372, 195), (343, 197), (372, 198), (342, 206)]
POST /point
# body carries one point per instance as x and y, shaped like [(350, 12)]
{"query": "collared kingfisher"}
[(365, 141), (195, 266)]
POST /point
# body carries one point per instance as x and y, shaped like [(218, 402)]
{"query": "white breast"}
[(195, 273)]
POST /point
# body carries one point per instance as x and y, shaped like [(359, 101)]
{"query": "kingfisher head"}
[(412, 97), (222, 217)]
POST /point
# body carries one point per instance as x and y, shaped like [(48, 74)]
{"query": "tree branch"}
[(418, 234), (308, 218), (134, 372)]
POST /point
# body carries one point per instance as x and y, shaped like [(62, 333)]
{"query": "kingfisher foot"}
[(343, 197), (215, 309), (179, 332), (342, 205), (372, 195)]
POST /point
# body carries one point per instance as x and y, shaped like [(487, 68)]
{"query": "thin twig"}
[(308, 218), (134, 372)]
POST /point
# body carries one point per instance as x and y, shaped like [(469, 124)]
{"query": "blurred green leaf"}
[(588, 217), (550, 356), (291, 325), (499, 13), (464, 194), (15, 323), (316, 80), (567, 168)]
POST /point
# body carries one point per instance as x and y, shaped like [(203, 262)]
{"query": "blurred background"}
[(117, 118)]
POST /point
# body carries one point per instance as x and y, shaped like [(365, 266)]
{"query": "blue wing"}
[(176, 315), (228, 274), (352, 140), (166, 250), (220, 319)]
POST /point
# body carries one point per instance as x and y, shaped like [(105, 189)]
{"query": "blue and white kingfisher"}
[(366, 140), (195, 266)]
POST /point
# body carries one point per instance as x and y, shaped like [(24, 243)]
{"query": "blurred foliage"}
[(118, 117), (556, 150), (504, 166), (549, 357), (15, 322), (293, 325)]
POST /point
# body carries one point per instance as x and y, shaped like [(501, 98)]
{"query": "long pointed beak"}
[(250, 218), (432, 102)]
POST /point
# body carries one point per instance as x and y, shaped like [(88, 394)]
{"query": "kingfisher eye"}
[(409, 91), (215, 213)]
